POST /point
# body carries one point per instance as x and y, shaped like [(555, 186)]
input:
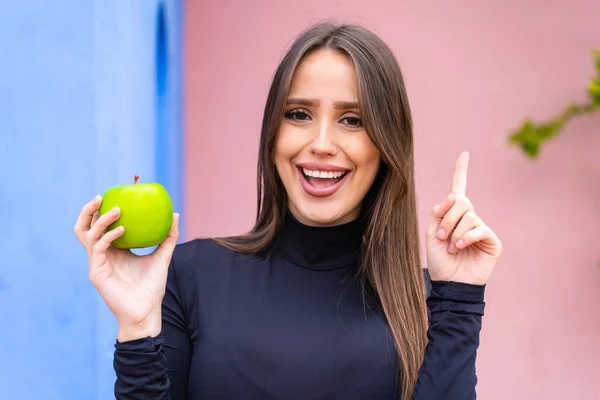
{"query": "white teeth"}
[(323, 174)]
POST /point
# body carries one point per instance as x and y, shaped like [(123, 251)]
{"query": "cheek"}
[(364, 155), (282, 147), (287, 146)]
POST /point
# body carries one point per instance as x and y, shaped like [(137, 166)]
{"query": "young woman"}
[(325, 297)]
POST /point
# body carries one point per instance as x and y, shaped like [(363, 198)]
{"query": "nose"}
[(322, 144)]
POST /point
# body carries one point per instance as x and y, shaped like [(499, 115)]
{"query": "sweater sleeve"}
[(156, 368), (448, 369)]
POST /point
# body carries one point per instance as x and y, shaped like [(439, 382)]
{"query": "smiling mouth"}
[(322, 179)]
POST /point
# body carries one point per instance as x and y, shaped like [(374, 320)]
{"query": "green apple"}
[(146, 213)]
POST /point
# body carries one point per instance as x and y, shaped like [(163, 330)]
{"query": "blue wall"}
[(83, 107)]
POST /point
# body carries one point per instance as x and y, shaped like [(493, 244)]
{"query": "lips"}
[(321, 180)]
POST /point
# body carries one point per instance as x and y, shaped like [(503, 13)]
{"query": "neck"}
[(320, 247)]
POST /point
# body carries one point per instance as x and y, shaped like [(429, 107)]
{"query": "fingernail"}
[(441, 233), (451, 248), (460, 244), (97, 198), (115, 210)]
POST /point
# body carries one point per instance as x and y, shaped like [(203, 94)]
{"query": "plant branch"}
[(530, 136)]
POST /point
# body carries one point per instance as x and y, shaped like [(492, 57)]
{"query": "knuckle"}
[(100, 224), (466, 204), (90, 235), (109, 217), (103, 224), (471, 216), (486, 229), (97, 247), (463, 201)]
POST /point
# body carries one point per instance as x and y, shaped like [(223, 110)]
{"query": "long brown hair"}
[(391, 260)]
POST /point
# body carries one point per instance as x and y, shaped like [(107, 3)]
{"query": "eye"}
[(298, 114), (352, 121)]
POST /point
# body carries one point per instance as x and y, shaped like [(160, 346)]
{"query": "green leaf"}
[(594, 89)]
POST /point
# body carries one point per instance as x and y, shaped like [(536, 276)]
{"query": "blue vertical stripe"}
[(162, 152), (169, 160)]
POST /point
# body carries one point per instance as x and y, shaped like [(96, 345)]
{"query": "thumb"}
[(164, 251)]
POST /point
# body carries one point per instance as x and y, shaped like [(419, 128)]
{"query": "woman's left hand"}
[(460, 246)]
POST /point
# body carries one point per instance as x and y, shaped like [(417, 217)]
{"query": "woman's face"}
[(323, 154)]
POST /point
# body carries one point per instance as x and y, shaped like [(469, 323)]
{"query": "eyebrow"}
[(340, 105)]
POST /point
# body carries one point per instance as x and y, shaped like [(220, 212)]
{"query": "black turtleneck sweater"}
[(293, 324)]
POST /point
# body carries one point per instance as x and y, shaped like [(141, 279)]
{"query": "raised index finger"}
[(459, 180)]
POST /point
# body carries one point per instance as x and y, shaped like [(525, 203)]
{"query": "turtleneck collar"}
[(320, 248)]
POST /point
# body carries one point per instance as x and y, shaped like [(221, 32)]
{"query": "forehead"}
[(325, 73)]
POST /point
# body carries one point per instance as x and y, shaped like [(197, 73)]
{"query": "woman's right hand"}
[(132, 286)]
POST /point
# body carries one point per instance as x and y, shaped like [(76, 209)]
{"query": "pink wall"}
[(473, 72)]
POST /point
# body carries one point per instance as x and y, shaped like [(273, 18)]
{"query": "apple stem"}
[(135, 178)]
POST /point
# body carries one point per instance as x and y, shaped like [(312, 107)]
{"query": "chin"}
[(330, 214)]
